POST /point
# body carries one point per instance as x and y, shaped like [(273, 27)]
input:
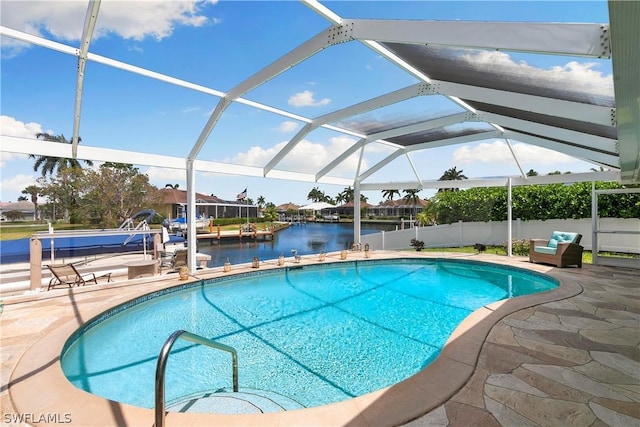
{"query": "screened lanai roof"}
[(448, 83)]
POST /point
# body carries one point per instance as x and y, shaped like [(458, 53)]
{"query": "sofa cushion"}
[(545, 250), (561, 237)]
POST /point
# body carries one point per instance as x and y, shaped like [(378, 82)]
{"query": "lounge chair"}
[(562, 249), (67, 274)]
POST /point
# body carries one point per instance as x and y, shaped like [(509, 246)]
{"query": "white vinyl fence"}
[(496, 233)]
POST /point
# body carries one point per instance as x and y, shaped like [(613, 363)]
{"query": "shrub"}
[(518, 246), (417, 244)]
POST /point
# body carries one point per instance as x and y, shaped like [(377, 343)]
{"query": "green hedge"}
[(230, 221), (534, 202)]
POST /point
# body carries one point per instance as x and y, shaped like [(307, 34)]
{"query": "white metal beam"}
[(282, 153), (374, 103), (625, 33), (324, 11), (375, 168), (570, 150), (226, 168), (39, 147), (417, 127), (38, 41), (574, 137), (455, 140), (342, 157), (326, 38), (85, 41), (307, 49), (421, 126), (307, 177), (192, 241), (494, 182), (368, 105), (413, 167), (515, 157), (552, 107), (589, 40), (222, 105)]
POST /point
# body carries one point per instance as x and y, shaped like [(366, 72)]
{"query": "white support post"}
[(191, 216), (356, 212), (509, 218), (594, 224)]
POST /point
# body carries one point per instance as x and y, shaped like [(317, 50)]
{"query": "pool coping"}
[(39, 369)]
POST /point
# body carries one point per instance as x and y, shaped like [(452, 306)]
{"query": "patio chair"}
[(179, 259), (562, 249), (165, 258), (67, 274)]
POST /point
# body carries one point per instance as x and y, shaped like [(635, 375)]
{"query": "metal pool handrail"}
[(162, 365)]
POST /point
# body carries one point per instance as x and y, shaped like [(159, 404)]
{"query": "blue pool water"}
[(318, 334)]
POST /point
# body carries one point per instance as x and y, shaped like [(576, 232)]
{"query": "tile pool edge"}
[(39, 369)]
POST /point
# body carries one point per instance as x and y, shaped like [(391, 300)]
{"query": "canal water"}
[(306, 239)]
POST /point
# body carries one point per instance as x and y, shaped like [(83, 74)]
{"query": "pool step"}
[(225, 401)]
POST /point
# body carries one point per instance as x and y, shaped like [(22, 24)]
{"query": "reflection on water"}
[(310, 238)]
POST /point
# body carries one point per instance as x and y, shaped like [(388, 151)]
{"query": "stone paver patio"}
[(574, 362), (572, 359)]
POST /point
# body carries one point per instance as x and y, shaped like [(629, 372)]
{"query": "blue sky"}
[(218, 45)]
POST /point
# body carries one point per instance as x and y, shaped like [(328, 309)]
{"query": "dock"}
[(249, 232)]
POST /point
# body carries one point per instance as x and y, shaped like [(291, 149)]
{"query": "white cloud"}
[(306, 99), (134, 20), (6, 157), (498, 152), (166, 175), (188, 110), (572, 72), (17, 183), (11, 126), (307, 156), (288, 126)]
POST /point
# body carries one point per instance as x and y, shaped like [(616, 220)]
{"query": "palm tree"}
[(270, 213), (49, 164), (412, 198), (261, 201), (173, 186), (452, 174), (33, 191), (316, 195), (532, 173), (346, 195), (389, 194)]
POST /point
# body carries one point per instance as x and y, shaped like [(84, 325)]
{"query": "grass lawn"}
[(587, 256), (20, 230)]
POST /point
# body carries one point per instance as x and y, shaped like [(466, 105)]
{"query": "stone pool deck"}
[(569, 357)]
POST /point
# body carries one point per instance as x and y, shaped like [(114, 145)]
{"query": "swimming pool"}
[(315, 335)]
